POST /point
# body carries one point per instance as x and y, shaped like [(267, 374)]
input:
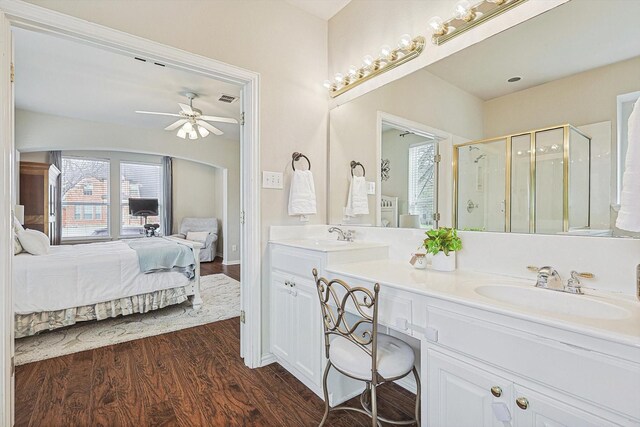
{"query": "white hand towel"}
[(629, 215), (302, 195), (357, 200)]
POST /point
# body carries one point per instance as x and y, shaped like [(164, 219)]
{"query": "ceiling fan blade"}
[(219, 119), (159, 114), (210, 127), (176, 124), (186, 108)]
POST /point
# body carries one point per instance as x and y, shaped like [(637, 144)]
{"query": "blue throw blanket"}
[(158, 254)]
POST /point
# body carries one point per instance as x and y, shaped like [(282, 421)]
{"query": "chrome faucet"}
[(342, 236), (549, 278)]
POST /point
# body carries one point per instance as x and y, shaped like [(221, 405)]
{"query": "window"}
[(78, 204), (422, 184), (138, 180)]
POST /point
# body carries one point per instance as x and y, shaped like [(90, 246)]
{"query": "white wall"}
[(44, 132)]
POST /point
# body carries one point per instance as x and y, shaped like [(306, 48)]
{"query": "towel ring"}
[(355, 164), (296, 156)]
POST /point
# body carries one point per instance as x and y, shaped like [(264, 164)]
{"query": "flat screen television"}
[(143, 207)]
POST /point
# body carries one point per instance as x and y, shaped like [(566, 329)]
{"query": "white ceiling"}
[(66, 78), (324, 9), (577, 36)]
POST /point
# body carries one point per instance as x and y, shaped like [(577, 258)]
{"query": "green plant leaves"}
[(442, 239)]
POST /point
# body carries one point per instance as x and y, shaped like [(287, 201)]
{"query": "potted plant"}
[(442, 243)]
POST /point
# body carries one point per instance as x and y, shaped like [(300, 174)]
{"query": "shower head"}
[(471, 148)]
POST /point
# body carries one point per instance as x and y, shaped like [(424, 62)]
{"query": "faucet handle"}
[(573, 284), (584, 275), (533, 268)]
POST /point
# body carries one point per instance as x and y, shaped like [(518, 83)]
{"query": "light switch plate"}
[(272, 180), (371, 187)]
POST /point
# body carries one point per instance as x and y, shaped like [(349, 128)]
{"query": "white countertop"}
[(460, 287), (326, 245)]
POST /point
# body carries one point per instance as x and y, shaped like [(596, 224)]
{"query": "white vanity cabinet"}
[(478, 360)]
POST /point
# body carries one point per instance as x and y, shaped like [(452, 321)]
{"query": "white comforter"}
[(77, 275)]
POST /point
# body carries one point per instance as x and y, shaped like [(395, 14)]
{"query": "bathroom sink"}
[(553, 302)]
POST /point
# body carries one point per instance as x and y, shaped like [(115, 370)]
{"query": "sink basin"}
[(553, 302)]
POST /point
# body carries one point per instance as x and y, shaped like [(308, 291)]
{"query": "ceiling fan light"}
[(182, 133), (203, 132), (188, 127), (193, 134)]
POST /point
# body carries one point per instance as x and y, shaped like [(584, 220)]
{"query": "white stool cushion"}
[(395, 357)]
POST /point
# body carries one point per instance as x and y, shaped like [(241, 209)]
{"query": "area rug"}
[(221, 300)]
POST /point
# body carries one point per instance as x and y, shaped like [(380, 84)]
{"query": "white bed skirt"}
[(31, 324)]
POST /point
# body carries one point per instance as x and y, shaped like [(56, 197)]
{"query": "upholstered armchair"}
[(199, 225)]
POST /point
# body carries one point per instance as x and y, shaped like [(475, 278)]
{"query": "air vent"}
[(229, 99)]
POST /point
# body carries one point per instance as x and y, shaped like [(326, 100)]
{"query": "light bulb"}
[(327, 84), (193, 134), (405, 41), (437, 25), (385, 51), (498, 2), (203, 132), (353, 71), (339, 77), (188, 127), (182, 133), (368, 60), (463, 11)]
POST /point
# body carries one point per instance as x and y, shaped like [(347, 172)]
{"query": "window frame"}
[(71, 239), (120, 197)]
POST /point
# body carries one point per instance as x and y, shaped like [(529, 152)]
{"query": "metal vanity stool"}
[(357, 350)]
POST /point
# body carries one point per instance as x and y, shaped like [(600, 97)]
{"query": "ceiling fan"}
[(191, 121)]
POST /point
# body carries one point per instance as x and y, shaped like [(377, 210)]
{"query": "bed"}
[(96, 281)]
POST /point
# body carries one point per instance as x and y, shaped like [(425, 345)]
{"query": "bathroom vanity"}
[(493, 349)]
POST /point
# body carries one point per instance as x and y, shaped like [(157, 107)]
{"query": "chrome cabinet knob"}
[(496, 391), (522, 403)]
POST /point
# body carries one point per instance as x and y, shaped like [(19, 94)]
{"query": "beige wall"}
[(36, 132), (363, 26), (420, 97), (198, 192), (580, 99)]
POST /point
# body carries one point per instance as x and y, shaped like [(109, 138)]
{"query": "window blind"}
[(422, 189)]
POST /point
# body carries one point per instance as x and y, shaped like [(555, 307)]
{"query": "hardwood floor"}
[(216, 267), (192, 377)]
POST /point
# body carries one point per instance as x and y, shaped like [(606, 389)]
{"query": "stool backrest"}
[(335, 297)]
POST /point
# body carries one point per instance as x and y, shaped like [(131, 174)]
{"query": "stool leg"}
[(326, 393), (418, 395), (374, 406)]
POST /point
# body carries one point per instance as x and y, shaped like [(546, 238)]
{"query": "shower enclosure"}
[(529, 182)]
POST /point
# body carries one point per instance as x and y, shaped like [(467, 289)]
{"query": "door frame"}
[(36, 18), (443, 149)]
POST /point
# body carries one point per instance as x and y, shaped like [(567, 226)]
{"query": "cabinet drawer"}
[(295, 261), (588, 375)]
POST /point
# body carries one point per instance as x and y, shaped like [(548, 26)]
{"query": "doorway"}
[(22, 15)]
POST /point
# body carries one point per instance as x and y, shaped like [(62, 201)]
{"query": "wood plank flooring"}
[(216, 267), (192, 377)]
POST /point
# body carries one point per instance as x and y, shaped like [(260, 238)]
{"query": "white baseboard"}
[(408, 383), (220, 254), (267, 359), (225, 262)]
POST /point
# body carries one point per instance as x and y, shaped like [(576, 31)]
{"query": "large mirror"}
[(523, 132)]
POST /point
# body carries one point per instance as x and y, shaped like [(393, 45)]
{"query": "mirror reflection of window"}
[(422, 183)]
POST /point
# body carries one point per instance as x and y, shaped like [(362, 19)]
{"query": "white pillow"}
[(34, 242), (17, 227), (197, 236)]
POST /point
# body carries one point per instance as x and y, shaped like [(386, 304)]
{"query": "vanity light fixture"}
[(408, 49), (467, 16)]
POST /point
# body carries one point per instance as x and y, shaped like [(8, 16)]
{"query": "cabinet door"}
[(539, 410), (307, 333), (459, 394), (281, 317)]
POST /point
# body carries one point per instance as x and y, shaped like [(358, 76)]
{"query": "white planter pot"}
[(442, 262)]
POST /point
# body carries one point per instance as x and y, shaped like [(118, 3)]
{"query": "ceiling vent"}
[(229, 99)]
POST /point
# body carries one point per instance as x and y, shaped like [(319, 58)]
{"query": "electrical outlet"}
[(371, 187), (234, 248), (272, 180)]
